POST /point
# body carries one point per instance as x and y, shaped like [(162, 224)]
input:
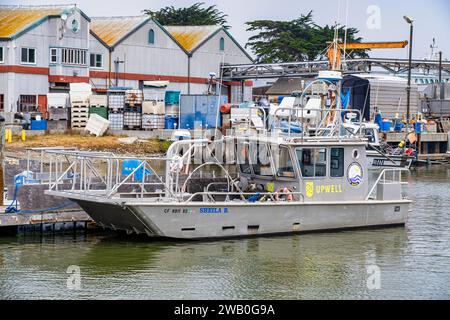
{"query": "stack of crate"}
[(79, 100), (58, 111), (132, 113), (153, 109), (116, 104), (172, 101), (98, 104)]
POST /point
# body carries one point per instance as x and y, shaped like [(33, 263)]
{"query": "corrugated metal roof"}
[(14, 19), (190, 37), (112, 29)]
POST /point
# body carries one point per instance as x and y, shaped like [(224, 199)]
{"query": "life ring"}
[(284, 192)]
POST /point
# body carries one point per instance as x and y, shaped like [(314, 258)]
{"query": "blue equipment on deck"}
[(132, 165)]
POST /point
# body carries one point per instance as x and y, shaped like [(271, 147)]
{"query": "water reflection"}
[(414, 261)]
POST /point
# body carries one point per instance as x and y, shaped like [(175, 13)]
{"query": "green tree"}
[(298, 40), (195, 15)]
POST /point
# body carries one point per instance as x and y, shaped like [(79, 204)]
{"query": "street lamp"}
[(410, 21)]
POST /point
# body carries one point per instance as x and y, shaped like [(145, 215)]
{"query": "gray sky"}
[(431, 17)]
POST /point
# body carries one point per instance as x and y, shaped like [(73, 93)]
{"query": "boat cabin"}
[(307, 171)]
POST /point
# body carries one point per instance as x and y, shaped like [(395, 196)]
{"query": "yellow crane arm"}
[(334, 56), (374, 45)]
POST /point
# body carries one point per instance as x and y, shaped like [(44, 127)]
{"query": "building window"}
[(28, 56), (313, 162), (151, 36), (96, 60), (222, 44), (1, 55), (73, 56), (27, 103), (53, 55), (2, 102), (337, 163)]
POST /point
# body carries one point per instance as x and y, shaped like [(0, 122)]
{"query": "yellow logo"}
[(309, 189)]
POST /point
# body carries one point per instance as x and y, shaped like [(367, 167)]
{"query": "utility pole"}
[(2, 148), (408, 89), (440, 66), (116, 67), (441, 84)]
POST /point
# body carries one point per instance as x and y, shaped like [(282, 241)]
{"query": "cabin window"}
[(337, 163), (243, 158), (313, 162), (370, 135), (283, 163), (2, 59), (151, 36), (28, 56), (222, 44), (261, 160)]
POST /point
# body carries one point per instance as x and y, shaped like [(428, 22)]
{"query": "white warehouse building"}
[(45, 48)]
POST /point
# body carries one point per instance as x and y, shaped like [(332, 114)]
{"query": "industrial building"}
[(45, 48), (41, 49)]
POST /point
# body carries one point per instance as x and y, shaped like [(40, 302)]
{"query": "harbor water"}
[(396, 263)]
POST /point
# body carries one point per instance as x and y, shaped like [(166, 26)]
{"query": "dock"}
[(433, 146), (45, 222)]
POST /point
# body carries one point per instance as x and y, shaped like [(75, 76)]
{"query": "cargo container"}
[(200, 111)]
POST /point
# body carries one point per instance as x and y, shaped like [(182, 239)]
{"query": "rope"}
[(14, 206)]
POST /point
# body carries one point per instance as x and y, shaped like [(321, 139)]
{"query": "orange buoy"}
[(225, 108)]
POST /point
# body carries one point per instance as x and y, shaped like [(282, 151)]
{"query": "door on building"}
[(42, 105)]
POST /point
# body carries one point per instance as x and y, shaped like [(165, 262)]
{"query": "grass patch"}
[(90, 143)]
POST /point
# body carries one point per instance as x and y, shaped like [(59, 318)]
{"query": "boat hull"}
[(225, 220)]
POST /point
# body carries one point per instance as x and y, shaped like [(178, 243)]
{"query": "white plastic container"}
[(97, 125)]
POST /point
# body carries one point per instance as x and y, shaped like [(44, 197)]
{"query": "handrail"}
[(272, 195), (382, 176)]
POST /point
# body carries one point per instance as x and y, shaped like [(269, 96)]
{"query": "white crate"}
[(132, 120), (116, 101), (133, 97), (97, 125), (115, 121), (57, 100), (98, 100), (153, 107), (151, 121)]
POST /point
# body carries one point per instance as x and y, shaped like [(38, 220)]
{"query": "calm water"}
[(414, 261)]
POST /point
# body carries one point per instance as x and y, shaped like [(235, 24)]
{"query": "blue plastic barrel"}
[(398, 125), (418, 127), (386, 126), (378, 119), (170, 122)]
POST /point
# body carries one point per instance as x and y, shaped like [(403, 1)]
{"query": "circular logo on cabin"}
[(355, 174)]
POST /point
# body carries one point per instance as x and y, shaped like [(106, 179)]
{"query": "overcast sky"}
[(432, 17)]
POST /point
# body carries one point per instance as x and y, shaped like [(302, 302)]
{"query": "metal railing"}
[(246, 197), (395, 179)]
